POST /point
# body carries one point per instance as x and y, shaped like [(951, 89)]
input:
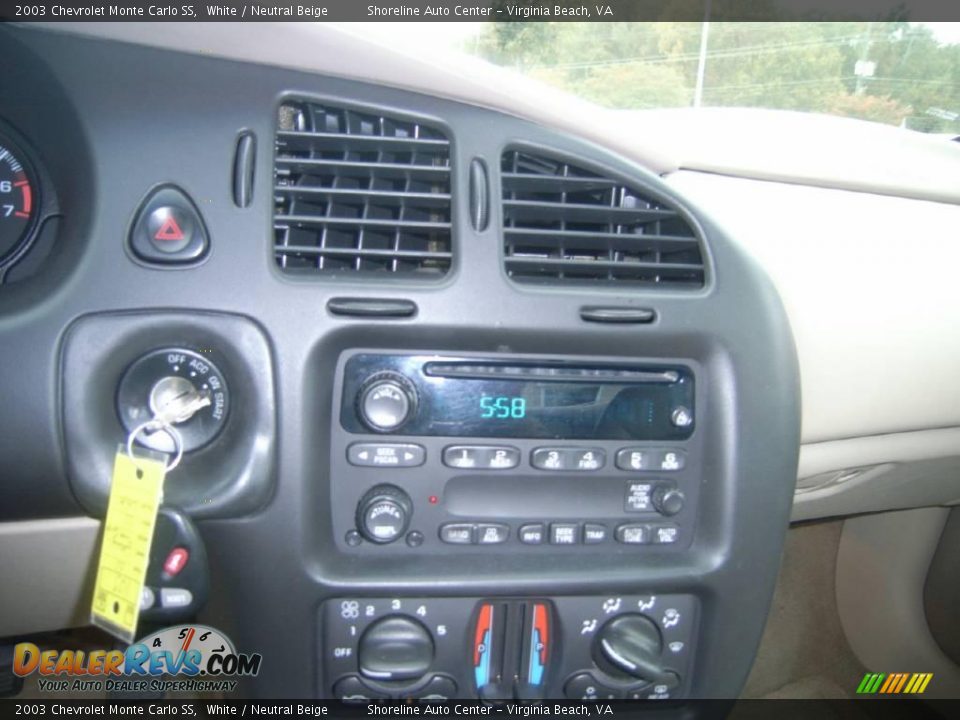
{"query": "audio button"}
[(458, 533)]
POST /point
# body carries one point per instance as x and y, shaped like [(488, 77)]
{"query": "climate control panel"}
[(616, 647)]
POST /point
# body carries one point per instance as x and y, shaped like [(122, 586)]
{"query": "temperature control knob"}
[(395, 648), (386, 401), (630, 645), (383, 514)]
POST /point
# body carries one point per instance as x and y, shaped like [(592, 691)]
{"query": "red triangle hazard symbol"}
[(169, 230)]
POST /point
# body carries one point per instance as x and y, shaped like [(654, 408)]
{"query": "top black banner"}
[(477, 11)]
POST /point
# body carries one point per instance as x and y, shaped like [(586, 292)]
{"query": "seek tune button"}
[(386, 455)]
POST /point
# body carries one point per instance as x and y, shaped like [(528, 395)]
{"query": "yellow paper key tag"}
[(135, 494)]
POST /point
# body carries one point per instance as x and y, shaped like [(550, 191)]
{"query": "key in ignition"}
[(177, 387)]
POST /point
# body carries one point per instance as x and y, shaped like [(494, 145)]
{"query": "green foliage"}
[(800, 66)]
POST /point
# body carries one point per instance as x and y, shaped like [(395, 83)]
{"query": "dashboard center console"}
[(498, 455), (493, 411)]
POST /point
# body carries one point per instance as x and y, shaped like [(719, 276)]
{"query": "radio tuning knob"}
[(668, 500), (383, 514), (386, 401)]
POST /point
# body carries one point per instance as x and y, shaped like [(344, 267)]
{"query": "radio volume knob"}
[(383, 514), (386, 401)]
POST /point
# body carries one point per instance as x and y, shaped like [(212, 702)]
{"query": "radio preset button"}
[(587, 459), (458, 534), (386, 455), (594, 533), (633, 534), (492, 533), (670, 460), (635, 459), (532, 534), (582, 459), (564, 534), (481, 457), (549, 459)]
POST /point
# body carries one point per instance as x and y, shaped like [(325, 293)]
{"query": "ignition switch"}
[(162, 376)]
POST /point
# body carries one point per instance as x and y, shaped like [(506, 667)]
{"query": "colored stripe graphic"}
[(890, 682), (894, 683)]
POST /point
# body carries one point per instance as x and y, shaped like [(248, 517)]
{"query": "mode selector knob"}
[(630, 645), (383, 514), (386, 401)]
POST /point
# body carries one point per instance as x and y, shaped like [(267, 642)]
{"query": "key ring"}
[(171, 433)]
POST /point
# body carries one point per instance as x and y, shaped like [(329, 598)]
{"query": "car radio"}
[(439, 454)]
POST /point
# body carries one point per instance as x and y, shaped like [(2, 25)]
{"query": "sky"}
[(452, 34)]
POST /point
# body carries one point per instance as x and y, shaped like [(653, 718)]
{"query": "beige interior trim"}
[(869, 285), (878, 473), (48, 569), (882, 566)]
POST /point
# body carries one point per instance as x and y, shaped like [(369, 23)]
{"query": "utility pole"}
[(702, 63), (864, 68)]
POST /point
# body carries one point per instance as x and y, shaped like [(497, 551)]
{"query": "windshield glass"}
[(899, 73)]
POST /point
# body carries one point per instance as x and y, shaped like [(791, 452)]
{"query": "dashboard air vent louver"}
[(562, 223), (360, 192)]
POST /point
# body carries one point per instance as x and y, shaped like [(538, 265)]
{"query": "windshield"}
[(899, 73)]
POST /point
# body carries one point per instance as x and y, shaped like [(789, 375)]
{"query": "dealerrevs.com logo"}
[(202, 657)]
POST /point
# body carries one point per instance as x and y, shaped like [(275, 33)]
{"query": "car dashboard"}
[(492, 410)]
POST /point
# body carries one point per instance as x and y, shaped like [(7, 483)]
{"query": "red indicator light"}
[(433, 499), (170, 230)]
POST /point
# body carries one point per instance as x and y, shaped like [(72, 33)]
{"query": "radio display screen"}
[(480, 398)]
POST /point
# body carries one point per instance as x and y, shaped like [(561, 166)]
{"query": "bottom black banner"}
[(879, 709)]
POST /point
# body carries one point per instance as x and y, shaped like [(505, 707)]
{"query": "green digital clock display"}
[(503, 407)]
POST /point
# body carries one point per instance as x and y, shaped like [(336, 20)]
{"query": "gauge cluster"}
[(25, 202)]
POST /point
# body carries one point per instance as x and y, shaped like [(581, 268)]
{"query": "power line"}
[(686, 57)]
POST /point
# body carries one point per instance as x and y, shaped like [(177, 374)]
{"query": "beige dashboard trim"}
[(882, 565), (869, 285), (48, 569)]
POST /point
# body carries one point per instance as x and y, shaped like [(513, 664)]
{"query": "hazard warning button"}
[(168, 229)]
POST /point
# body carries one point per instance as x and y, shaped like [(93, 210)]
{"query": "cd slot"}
[(548, 373)]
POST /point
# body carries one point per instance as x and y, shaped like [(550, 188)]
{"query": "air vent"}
[(562, 223), (358, 192)]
